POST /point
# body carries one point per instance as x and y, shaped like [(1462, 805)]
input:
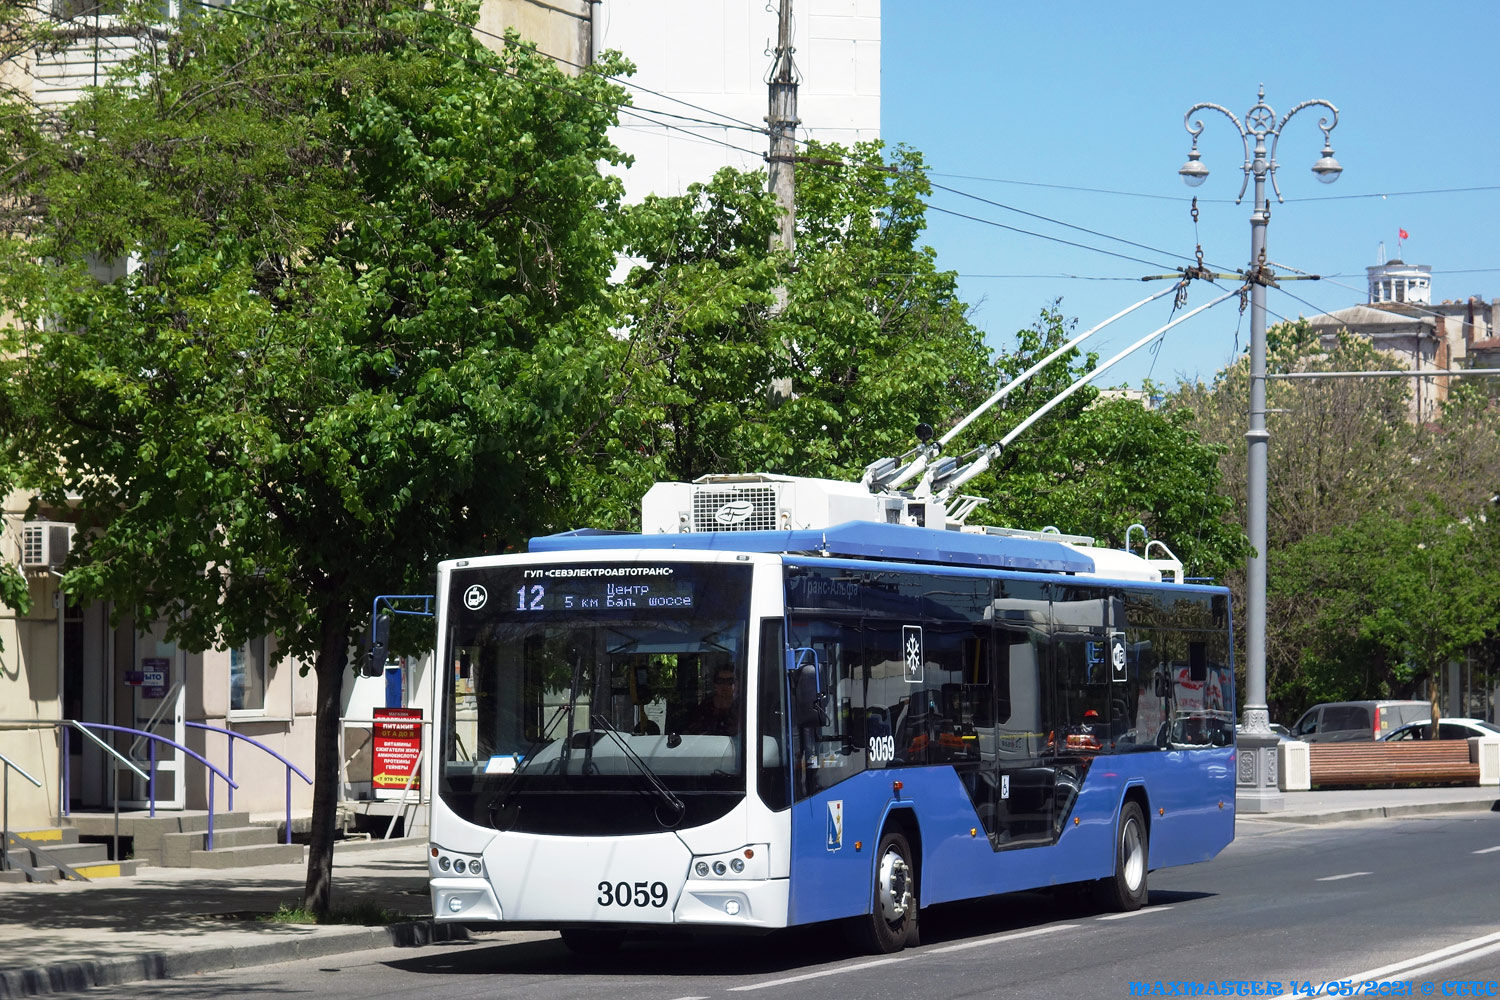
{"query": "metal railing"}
[(9, 766), (208, 842), (65, 725), (290, 767), (413, 779)]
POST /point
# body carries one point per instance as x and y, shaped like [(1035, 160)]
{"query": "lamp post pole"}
[(1258, 789)]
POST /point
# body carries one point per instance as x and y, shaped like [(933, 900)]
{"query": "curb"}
[(1374, 812), (70, 977)]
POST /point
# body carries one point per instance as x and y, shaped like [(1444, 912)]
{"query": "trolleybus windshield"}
[(595, 698)]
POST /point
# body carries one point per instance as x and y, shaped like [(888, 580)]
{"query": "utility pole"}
[(781, 116)]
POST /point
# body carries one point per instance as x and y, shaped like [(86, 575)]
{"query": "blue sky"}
[(1092, 95)]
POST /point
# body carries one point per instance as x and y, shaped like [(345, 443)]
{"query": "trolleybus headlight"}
[(738, 864), (474, 867), (443, 862), (455, 904), (701, 868), (719, 868)]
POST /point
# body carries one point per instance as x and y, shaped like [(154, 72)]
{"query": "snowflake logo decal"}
[(911, 644)]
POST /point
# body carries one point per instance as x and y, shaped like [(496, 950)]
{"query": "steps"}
[(44, 851), (180, 839)]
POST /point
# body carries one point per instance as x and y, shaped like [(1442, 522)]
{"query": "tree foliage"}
[(359, 328), (1362, 507), (873, 337)]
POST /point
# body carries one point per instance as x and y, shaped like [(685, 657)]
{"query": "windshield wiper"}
[(504, 793), (653, 780)]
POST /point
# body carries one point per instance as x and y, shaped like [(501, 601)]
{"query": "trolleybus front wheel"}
[(1126, 889), (891, 923)]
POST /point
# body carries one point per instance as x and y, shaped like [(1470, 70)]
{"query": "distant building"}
[(1401, 320)]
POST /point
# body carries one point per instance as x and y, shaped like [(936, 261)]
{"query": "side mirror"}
[(380, 639)]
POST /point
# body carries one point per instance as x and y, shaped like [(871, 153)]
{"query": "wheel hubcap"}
[(1134, 852), (895, 887)]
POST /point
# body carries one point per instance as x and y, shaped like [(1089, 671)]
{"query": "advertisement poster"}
[(155, 676), (397, 744)]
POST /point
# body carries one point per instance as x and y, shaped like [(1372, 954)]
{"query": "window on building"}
[(247, 677)]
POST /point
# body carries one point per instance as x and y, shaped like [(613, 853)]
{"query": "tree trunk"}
[(1434, 682), (333, 655)]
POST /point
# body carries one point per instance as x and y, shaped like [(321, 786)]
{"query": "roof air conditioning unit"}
[(45, 544)]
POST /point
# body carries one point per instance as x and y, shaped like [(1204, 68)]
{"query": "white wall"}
[(715, 55)]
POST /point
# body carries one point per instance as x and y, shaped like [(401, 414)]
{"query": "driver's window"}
[(1307, 724)]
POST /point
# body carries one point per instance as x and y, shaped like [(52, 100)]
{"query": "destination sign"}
[(602, 588)]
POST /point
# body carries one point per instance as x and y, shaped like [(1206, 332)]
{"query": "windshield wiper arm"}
[(503, 795), (653, 780)]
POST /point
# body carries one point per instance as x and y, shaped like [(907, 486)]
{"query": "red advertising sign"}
[(397, 745)]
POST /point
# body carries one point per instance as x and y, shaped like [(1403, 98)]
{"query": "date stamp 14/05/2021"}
[(1316, 988)]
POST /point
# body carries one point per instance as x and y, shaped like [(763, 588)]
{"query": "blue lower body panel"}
[(1189, 801)]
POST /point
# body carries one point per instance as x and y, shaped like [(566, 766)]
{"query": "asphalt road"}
[(1405, 902)]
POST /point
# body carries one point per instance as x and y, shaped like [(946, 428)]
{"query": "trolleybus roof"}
[(856, 539)]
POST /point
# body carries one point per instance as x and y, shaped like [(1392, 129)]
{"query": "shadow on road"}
[(786, 951)]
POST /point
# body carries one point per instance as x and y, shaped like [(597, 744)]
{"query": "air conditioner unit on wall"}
[(45, 544)]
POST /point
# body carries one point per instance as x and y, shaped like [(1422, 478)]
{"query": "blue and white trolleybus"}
[(790, 701)]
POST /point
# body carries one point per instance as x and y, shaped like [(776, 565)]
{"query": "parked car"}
[(1448, 729), (1282, 732), (1340, 721)]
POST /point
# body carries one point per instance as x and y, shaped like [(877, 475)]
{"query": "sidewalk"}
[(1342, 806), (170, 922)]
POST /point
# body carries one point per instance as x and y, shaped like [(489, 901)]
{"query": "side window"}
[(1083, 680), (841, 743), (1308, 724), (1341, 718), (771, 715)]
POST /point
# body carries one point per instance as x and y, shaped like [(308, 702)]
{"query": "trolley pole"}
[(1257, 780)]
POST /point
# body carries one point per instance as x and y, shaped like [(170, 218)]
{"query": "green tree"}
[(1349, 478), (364, 315), (1390, 600), (873, 337), (1095, 464)]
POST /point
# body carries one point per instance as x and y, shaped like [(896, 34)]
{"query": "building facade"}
[(1401, 320)]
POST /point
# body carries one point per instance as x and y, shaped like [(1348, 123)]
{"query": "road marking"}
[(1335, 878), (1136, 913), (997, 938), (1431, 961), (817, 975), (1488, 850)]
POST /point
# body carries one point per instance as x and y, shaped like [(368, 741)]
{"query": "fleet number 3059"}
[(633, 894)]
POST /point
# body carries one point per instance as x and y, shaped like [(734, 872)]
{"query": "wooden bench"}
[(1403, 762)]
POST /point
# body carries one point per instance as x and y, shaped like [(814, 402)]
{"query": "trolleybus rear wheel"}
[(891, 923), (1126, 889)]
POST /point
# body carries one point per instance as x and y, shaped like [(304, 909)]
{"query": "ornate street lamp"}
[(1258, 788)]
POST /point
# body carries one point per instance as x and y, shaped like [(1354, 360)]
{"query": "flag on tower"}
[(1404, 234)]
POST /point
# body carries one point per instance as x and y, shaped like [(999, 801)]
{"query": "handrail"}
[(168, 701), (75, 724), (19, 770), (151, 781), (9, 765), (416, 771), (64, 726), (290, 767)]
